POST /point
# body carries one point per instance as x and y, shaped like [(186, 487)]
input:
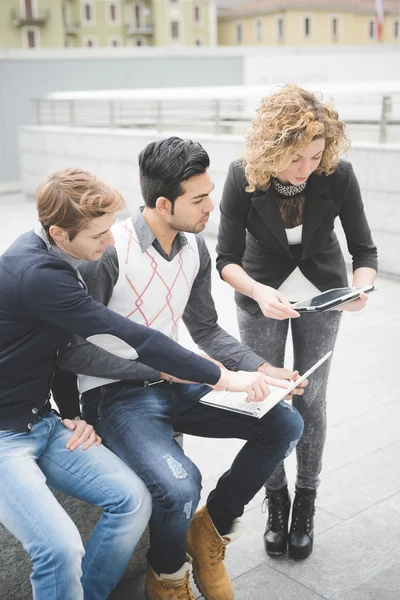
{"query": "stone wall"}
[(112, 154)]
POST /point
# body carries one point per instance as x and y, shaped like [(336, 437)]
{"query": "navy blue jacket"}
[(42, 303)]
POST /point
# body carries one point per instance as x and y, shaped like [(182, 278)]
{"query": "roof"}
[(266, 6)]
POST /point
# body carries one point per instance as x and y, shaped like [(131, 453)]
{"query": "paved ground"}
[(357, 546)]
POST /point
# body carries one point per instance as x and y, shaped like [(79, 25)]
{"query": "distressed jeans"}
[(30, 464), (137, 424), (313, 335)]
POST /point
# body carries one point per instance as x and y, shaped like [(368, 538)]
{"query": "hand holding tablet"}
[(332, 299)]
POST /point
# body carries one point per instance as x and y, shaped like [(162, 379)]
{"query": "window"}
[(137, 16), (114, 42), (175, 30), (31, 37), (307, 27), (28, 11), (371, 29), (113, 18), (396, 31), (280, 29), (334, 28), (197, 14), (239, 33), (89, 42), (88, 12), (259, 30)]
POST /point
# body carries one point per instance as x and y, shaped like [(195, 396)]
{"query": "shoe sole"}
[(300, 554), (198, 585), (275, 553), (202, 592)]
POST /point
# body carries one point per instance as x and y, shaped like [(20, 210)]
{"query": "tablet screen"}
[(327, 297)]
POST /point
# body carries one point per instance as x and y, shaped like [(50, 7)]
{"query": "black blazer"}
[(252, 234)]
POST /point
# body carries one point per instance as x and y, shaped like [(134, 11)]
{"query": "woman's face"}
[(303, 163)]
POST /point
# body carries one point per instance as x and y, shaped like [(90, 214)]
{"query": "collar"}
[(55, 250), (145, 236)]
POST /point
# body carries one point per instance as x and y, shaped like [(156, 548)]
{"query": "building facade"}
[(307, 22), (90, 23)]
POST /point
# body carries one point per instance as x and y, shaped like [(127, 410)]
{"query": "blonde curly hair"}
[(286, 121)]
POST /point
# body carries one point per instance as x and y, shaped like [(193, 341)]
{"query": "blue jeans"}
[(30, 464), (137, 424)]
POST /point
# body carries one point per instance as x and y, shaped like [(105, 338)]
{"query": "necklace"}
[(288, 189)]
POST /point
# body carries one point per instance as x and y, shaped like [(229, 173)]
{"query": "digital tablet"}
[(331, 298)]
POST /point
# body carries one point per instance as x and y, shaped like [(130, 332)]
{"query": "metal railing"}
[(378, 112), (134, 29), (72, 28), (23, 17)]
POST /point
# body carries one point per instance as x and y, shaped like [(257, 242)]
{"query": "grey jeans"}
[(313, 335)]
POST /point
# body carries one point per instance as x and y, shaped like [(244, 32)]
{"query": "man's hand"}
[(254, 384), (280, 373), (83, 434)]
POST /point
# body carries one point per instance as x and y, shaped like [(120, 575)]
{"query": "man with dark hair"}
[(159, 272), (43, 301)]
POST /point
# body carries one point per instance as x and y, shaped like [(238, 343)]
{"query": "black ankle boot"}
[(276, 532), (301, 535)]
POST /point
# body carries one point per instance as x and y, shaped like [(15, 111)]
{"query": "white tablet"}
[(331, 298)]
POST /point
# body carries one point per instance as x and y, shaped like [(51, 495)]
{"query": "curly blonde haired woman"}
[(276, 245)]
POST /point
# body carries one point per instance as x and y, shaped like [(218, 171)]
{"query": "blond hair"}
[(287, 121), (71, 198)]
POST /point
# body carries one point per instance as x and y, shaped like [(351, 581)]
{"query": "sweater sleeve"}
[(355, 225), (232, 225), (51, 292)]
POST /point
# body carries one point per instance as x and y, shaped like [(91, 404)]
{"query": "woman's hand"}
[(254, 384), (272, 303), (354, 305)]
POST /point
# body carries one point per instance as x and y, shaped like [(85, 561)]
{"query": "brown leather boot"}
[(168, 587), (207, 549)]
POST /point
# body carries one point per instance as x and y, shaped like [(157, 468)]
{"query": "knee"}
[(133, 497), (293, 428), (182, 494), (294, 422)]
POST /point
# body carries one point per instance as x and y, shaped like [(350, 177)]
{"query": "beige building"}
[(78, 23), (307, 22)]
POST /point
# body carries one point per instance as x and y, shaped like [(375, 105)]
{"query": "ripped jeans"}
[(137, 423)]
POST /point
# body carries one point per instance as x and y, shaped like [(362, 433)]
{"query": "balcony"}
[(72, 28), (20, 18), (134, 29)]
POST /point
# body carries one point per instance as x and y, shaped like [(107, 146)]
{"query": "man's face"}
[(89, 243), (192, 209)]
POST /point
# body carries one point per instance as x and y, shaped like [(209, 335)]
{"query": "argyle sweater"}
[(150, 291)]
